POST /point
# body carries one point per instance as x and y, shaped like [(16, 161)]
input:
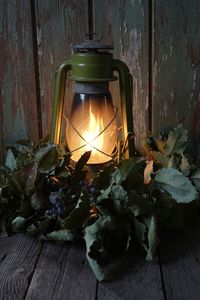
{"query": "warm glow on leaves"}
[(148, 171), (152, 145)]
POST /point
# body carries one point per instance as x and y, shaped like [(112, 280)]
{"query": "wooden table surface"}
[(30, 269)]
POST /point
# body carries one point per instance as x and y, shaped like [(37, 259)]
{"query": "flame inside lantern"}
[(88, 130), (93, 135)]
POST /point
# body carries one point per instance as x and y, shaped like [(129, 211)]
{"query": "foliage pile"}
[(42, 194)]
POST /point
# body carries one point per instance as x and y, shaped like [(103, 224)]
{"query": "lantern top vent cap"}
[(92, 43)]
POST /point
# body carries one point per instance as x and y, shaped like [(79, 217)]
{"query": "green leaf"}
[(3, 229), (3, 178), (102, 181), (39, 199), (174, 161), (80, 214), (18, 224), (47, 158), (62, 235), (160, 158), (176, 141), (140, 231), (27, 177), (14, 185), (26, 143), (10, 162), (135, 177), (164, 205), (196, 179), (139, 204), (153, 240), (93, 245), (104, 194), (185, 166), (63, 170), (123, 169), (82, 162), (176, 184), (119, 196), (25, 207)]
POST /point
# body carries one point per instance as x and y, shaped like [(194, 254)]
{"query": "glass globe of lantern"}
[(92, 124)]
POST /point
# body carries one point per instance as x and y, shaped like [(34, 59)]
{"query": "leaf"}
[(39, 199), (26, 143), (148, 171), (18, 224), (62, 235), (14, 185), (185, 167), (102, 181), (135, 177), (25, 207), (160, 158), (176, 184), (2, 179), (196, 179), (123, 169), (82, 161), (47, 158), (3, 229), (140, 231), (10, 162), (104, 194), (153, 240), (164, 205), (119, 196), (62, 170), (79, 215), (93, 246), (139, 204), (176, 141), (27, 176)]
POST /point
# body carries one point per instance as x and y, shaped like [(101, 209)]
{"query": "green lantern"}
[(91, 124)]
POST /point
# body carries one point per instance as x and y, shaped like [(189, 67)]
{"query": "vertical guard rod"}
[(58, 102), (125, 83)]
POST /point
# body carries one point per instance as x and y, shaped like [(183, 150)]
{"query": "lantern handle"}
[(126, 92), (58, 102)]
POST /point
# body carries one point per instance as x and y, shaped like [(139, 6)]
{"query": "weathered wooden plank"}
[(180, 258), (133, 278), (176, 66), (125, 24), (60, 24), (19, 255), (69, 277), (18, 105)]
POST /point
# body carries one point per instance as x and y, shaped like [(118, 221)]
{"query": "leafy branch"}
[(42, 192)]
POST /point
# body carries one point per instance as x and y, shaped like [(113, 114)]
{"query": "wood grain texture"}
[(20, 254), (18, 105), (125, 24), (69, 277), (132, 278), (60, 24), (176, 65), (180, 259)]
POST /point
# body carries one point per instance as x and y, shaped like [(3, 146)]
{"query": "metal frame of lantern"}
[(92, 64)]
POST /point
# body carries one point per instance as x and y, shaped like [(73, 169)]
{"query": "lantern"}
[(91, 122)]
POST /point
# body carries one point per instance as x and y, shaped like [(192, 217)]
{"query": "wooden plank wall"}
[(18, 102), (176, 66), (158, 39)]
